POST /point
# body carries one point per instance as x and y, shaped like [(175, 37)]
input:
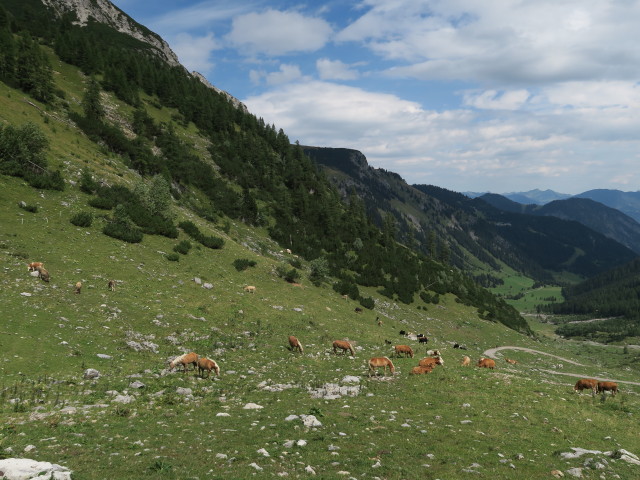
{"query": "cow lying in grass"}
[(487, 363)]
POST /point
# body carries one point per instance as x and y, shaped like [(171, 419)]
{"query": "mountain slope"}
[(626, 202), (609, 221), (470, 231)]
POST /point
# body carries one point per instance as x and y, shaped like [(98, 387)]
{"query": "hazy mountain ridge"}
[(609, 221)]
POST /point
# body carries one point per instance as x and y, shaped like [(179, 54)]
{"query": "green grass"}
[(405, 427)]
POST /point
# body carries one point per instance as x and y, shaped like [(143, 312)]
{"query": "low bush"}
[(82, 219), (241, 264)]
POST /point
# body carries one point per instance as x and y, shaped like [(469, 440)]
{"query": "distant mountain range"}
[(491, 231), (626, 202)]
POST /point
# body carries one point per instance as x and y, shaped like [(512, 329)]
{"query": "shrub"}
[(82, 219), (183, 247), (290, 276), (194, 232), (127, 233), (173, 257), (241, 264), (28, 208), (212, 242), (367, 303)]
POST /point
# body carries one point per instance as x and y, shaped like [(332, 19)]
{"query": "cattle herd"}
[(425, 365)]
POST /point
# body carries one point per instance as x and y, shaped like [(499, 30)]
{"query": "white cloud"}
[(277, 33), (195, 52), (502, 43), (286, 74), (458, 149), (198, 16), (493, 100), (335, 70)]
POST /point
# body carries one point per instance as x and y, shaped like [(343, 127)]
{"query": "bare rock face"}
[(104, 11)]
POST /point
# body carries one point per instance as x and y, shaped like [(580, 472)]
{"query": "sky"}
[(472, 96)]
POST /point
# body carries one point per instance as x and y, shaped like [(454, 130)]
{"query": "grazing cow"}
[(406, 349), (512, 362), (250, 289), (608, 387), (431, 361), (402, 332), (295, 344), (208, 365), (184, 360), (586, 384), (43, 273), (344, 346), (33, 266), (487, 363), (421, 370), (78, 287), (381, 362), (466, 361), (112, 285), (358, 310), (379, 321), (433, 353), (423, 339)]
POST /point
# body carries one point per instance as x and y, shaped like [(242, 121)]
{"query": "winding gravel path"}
[(491, 353)]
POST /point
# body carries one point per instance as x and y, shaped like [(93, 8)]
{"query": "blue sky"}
[(492, 95)]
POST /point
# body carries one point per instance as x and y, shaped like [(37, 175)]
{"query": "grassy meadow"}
[(457, 422)]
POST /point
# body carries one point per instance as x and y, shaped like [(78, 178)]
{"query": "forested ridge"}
[(257, 175)]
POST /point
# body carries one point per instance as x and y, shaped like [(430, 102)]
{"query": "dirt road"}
[(491, 353)]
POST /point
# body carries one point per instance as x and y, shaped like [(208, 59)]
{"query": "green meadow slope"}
[(457, 422)]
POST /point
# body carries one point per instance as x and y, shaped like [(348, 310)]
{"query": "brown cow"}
[(421, 370), (608, 387), (34, 266), (487, 363), (586, 384), (512, 362), (431, 361), (208, 365), (466, 361), (381, 362), (78, 287), (344, 346), (250, 289), (111, 285), (43, 273), (295, 344), (184, 360), (406, 349)]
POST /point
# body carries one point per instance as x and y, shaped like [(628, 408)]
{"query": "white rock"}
[(301, 443), (29, 448), (222, 414), (291, 417), (91, 373), (310, 421), (575, 472), (26, 469), (252, 406), (351, 379), (198, 281), (25, 294), (222, 456), (310, 470), (256, 466), (104, 355), (263, 452), (208, 286), (288, 444), (124, 399), (184, 391)]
